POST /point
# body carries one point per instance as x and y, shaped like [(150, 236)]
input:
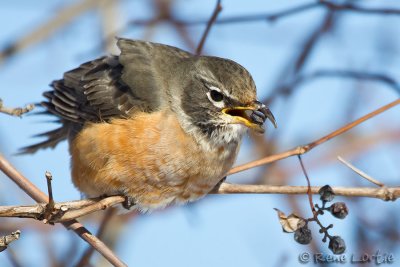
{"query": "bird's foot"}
[(129, 202), (216, 187)]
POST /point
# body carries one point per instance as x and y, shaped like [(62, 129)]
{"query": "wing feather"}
[(109, 87)]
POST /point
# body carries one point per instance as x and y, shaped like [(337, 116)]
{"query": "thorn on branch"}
[(7, 239), (15, 111)]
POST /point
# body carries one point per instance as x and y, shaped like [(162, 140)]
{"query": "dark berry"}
[(339, 210), (303, 235), (326, 193), (337, 245)]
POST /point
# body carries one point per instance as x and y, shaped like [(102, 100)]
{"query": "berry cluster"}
[(299, 226)]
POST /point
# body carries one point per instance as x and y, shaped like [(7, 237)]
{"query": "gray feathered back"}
[(110, 87)]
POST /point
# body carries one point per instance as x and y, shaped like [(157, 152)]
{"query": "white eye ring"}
[(219, 103), (214, 88)]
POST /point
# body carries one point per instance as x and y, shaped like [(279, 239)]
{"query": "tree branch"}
[(7, 239), (60, 19), (40, 197), (359, 9), (37, 211), (15, 111), (63, 211), (305, 148), (297, 62), (84, 260), (384, 193), (349, 74), (361, 173), (68, 211), (270, 17), (217, 10), (274, 16)]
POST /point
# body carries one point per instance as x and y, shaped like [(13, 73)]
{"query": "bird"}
[(156, 124)]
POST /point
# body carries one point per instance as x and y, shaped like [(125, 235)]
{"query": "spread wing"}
[(93, 92), (109, 87)]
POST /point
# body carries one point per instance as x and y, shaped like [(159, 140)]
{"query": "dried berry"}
[(326, 193), (337, 245), (339, 210), (303, 235), (290, 223), (299, 226)]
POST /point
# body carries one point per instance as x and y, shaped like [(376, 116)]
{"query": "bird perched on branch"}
[(156, 123)]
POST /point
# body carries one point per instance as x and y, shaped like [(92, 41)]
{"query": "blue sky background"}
[(223, 230)]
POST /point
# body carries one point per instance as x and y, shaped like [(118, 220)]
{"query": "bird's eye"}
[(216, 96)]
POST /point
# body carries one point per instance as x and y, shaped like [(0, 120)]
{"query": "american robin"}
[(156, 123)]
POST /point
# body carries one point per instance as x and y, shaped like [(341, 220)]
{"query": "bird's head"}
[(219, 98), (213, 97)]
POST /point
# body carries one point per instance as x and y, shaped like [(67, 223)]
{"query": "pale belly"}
[(156, 166)]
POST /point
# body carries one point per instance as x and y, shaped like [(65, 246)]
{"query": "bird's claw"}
[(129, 202)]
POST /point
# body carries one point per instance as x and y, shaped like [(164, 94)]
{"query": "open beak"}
[(253, 116)]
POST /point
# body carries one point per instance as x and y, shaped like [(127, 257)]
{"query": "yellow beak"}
[(252, 116)]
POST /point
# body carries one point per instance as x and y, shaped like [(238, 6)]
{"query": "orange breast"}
[(148, 157)]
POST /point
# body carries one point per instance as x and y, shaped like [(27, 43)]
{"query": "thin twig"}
[(217, 10), (311, 42), (305, 148), (66, 15), (84, 261), (164, 13), (50, 213), (309, 194), (63, 211), (360, 172), (13, 258), (312, 206), (7, 239), (100, 205), (15, 111), (110, 20), (360, 9), (349, 74), (49, 178), (274, 16), (40, 197), (384, 193), (60, 19), (270, 17), (300, 57)]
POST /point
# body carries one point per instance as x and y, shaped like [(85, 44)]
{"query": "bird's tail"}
[(53, 137)]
